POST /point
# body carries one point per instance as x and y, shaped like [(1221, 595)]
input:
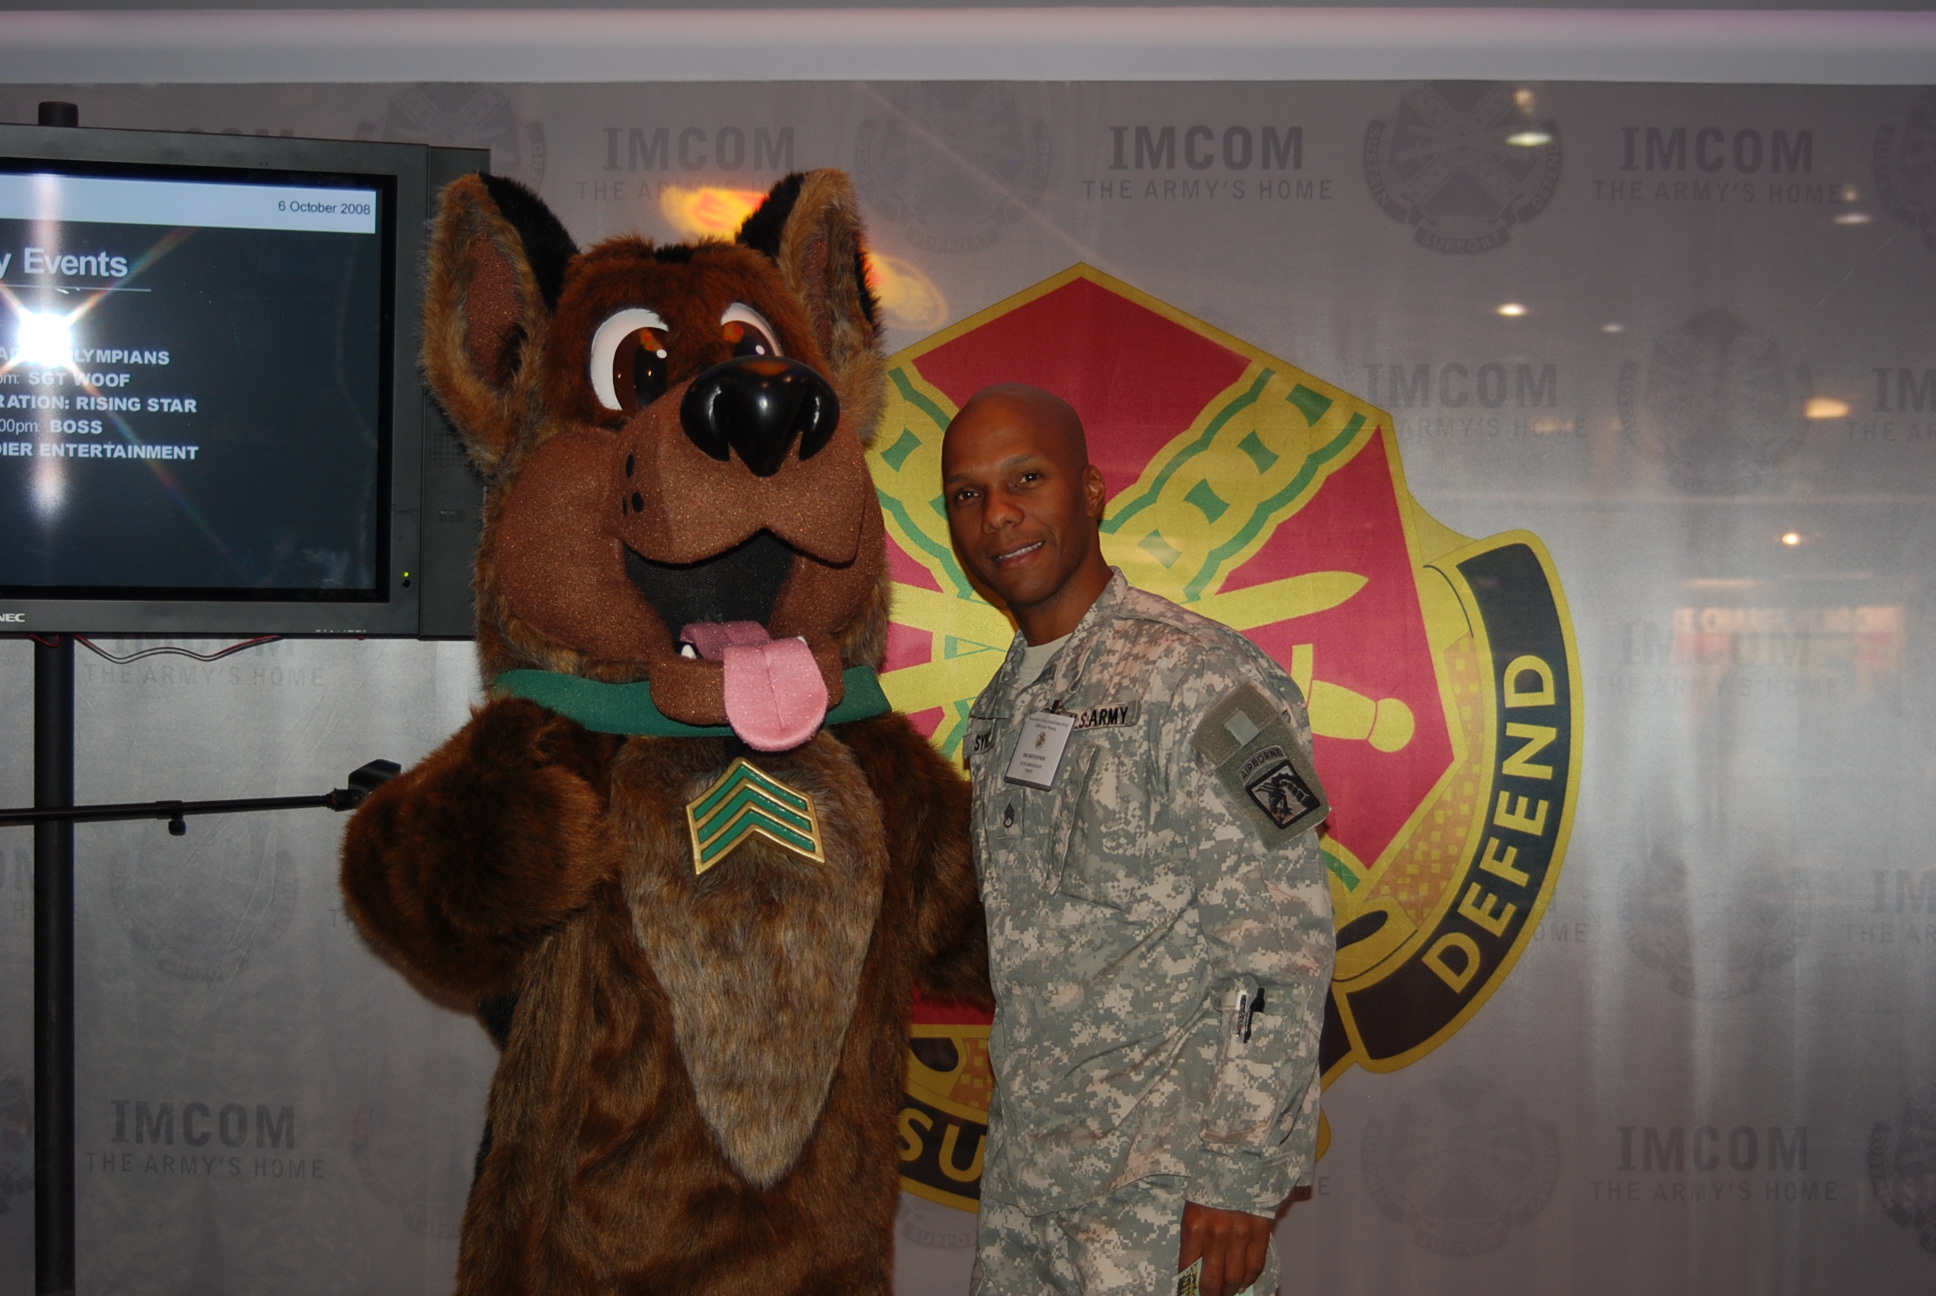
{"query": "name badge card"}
[(1045, 736)]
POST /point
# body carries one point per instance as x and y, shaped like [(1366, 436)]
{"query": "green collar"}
[(629, 709)]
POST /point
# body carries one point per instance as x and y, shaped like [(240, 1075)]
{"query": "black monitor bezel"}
[(391, 610)]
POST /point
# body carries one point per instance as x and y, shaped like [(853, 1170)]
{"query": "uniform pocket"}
[(1114, 854), (1096, 846)]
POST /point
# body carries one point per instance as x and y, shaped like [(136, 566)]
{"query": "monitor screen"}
[(195, 370)]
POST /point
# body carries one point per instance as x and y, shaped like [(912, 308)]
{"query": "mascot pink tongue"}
[(775, 696)]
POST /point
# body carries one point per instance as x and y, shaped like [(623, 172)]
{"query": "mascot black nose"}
[(757, 405)]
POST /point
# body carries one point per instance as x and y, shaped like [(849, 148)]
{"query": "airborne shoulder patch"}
[(1262, 766)]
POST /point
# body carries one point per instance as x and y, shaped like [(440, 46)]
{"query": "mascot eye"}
[(630, 364), (747, 331)]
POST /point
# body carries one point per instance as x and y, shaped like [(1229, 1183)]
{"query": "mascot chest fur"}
[(761, 961)]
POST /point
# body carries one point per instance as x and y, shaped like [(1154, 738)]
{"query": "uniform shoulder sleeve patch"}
[(1262, 766)]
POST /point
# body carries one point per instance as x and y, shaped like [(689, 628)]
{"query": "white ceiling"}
[(756, 5), (103, 45)]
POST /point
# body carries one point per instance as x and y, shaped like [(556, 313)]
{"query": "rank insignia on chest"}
[(748, 802)]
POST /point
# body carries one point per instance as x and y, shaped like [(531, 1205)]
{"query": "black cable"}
[(174, 650)]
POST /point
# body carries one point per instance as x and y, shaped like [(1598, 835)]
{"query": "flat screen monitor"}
[(210, 421)]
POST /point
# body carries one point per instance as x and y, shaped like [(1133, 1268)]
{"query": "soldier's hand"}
[(1232, 1244)]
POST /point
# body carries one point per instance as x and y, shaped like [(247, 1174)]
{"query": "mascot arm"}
[(459, 864), (924, 807)]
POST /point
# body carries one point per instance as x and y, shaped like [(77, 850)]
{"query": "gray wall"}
[(1743, 933)]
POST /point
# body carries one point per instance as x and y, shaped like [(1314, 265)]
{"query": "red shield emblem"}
[(1439, 672)]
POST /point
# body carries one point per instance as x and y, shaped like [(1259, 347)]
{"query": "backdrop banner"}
[(1572, 445)]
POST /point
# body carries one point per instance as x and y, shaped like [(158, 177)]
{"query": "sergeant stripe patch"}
[(748, 802)]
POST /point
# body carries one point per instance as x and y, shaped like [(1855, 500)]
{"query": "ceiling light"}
[(1611, 327), (905, 292), (1529, 138), (1791, 538), (1826, 407), (1512, 310), (708, 211), (1853, 218)]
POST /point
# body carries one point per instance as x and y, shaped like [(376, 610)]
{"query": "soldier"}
[(1159, 923)]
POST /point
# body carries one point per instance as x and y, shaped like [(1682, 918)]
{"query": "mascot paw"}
[(511, 734)]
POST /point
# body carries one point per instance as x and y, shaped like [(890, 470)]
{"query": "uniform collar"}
[(1067, 667)]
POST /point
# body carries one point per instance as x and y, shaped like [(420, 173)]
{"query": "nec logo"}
[(13, 616)]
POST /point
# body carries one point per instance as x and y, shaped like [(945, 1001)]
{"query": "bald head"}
[(1051, 422), (1024, 503)]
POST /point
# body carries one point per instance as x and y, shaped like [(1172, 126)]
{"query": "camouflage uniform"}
[(1124, 1243), (1133, 909)]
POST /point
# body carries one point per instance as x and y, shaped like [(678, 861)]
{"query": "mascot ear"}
[(810, 226), (497, 265)]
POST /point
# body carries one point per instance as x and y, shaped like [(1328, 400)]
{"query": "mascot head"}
[(672, 441)]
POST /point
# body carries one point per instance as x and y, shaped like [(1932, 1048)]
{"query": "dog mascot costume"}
[(685, 855)]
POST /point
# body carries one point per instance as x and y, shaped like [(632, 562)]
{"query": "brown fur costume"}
[(700, 1078)]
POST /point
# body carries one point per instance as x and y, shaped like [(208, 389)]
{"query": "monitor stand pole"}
[(54, 940), (54, 970), (53, 817)]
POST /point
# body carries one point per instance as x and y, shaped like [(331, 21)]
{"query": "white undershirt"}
[(1035, 657)]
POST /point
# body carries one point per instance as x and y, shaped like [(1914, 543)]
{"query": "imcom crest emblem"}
[(953, 163), (1440, 670), (1714, 940), (206, 917), (1718, 403), (411, 1147), (1905, 167), (1462, 1164), (16, 1138), (465, 116), (1902, 1167), (1448, 166)]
